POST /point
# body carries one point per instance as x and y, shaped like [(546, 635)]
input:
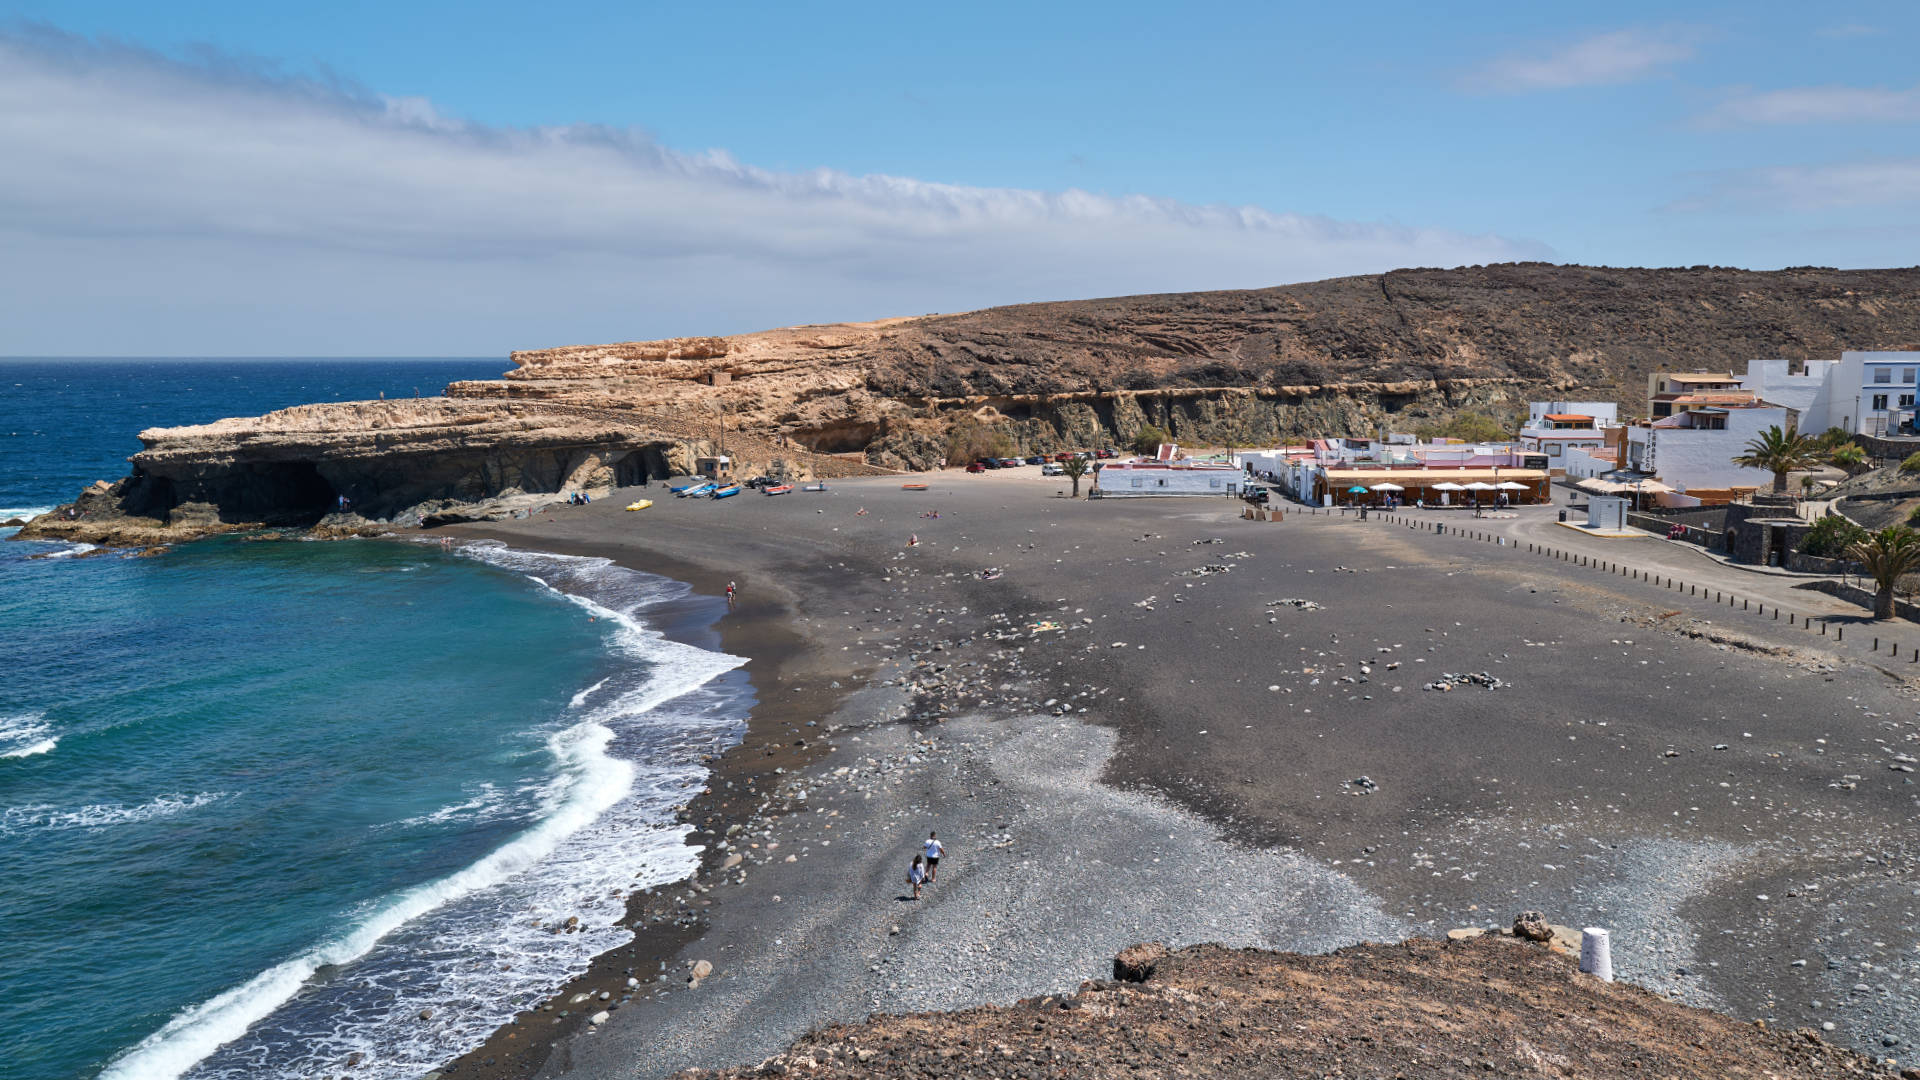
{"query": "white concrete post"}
[(1596, 958)]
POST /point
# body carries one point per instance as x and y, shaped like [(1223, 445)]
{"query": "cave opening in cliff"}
[(284, 491), (646, 463), (844, 437)]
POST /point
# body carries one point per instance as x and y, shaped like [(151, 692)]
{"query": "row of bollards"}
[(1634, 573)]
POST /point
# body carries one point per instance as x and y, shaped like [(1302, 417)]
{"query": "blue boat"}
[(726, 492), (700, 487)]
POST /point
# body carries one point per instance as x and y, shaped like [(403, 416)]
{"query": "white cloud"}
[(1619, 56), (1816, 105), (1836, 186), (1849, 30), (282, 215)]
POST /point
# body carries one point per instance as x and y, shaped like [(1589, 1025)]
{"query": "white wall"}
[(1695, 458), (1771, 381), (1604, 413), (1134, 483), (1579, 464)]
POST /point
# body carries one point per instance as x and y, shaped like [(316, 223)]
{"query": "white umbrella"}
[(1508, 485), (1479, 486), (1388, 487), (1448, 486)]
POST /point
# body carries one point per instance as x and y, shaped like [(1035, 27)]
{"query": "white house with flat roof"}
[(1863, 392), (1696, 448), (1554, 427)]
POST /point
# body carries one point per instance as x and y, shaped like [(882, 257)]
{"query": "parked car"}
[(988, 463), (977, 467), (1037, 459), (760, 482), (1109, 452), (1010, 463), (1063, 456), (1051, 469)]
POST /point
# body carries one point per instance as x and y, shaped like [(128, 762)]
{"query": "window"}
[(1906, 401), (1882, 375), (1879, 403), (1711, 423), (1212, 483), (1906, 375), (1136, 481), (1553, 449)]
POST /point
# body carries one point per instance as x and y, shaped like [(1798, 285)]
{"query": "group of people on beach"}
[(579, 498), (926, 864)]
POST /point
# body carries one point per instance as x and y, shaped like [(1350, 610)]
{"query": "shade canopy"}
[(1478, 486), (1388, 487), (1356, 490), (1508, 485), (1449, 486)]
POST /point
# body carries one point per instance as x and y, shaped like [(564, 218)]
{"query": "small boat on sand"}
[(821, 486), (727, 491), (913, 487), (698, 487), (641, 505), (779, 489)]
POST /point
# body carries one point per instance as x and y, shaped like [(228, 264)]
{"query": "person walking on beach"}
[(917, 875), (729, 594), (932, 850)]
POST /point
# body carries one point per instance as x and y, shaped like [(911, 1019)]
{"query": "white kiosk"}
[(1607, 513)]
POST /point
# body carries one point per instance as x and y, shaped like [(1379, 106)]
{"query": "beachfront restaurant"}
[(1437, 487)]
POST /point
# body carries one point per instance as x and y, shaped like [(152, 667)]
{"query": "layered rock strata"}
[(1250, 367)]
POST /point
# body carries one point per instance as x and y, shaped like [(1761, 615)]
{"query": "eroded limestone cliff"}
[(1251, 367)]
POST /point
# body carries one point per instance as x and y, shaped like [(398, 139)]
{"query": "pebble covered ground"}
[(1724, 796)]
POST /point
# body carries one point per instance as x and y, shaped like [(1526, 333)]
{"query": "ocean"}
[(265, 805)]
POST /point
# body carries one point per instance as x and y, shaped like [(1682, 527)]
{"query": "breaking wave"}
[(477, 946)]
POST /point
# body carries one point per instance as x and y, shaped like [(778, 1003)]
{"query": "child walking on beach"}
[(917, 874), (932, 850)]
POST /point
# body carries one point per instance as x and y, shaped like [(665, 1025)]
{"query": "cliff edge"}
[(1248, 367), (1486, 1007)]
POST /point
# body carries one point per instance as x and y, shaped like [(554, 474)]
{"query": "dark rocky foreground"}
[(1490, 1006)]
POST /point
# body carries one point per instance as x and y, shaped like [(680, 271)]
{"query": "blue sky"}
[(453, 178)]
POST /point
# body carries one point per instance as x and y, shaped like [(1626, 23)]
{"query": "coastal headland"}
[(1160, 722), (1234, 368)]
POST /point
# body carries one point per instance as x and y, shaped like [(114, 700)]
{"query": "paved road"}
[(1758, 591)]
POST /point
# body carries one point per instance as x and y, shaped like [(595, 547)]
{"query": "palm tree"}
[(1886, 556), (1779, 452), (1075, 467)]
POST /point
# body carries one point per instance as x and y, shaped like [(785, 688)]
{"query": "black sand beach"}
[(1118, 745)]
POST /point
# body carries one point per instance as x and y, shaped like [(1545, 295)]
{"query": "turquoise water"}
[(261, 803)]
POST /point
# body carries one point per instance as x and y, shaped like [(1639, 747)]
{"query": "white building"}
[(1554, 427), (1696, 448), (1774, 381), (1602, 413), (1146, 477), (1863, 392)]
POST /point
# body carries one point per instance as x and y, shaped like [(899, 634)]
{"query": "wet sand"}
[(1711, 785)]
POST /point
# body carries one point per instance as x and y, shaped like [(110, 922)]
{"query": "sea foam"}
[(26, 735), (102, 815), (478, 945)]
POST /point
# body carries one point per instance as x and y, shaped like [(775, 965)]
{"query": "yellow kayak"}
[(641, 505)]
